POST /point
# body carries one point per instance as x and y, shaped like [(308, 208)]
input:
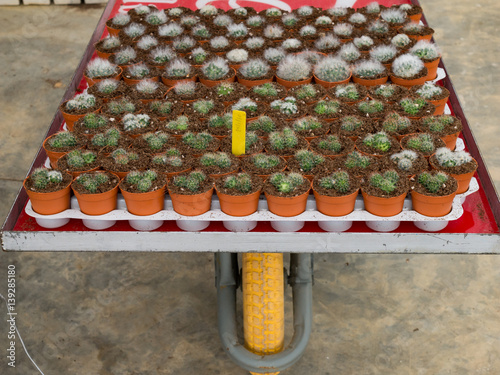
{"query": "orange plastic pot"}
[(439, 104), (463, 181), (421, 37), (408, 82), (103, 55), (210, 83), (52, 155), (415, 17), (433, 206), (70, 119), (97, 204), (191, 205), (287, 206), (251, 83), (239, 205), (173, 174), (49, 203), (370, 82), (383, 206), (143, 204), (450, 140), (173, 82), (432, 69), (327, 84), (335, 206), (112, 31), (289, 84), (132, 81), (93, 81)]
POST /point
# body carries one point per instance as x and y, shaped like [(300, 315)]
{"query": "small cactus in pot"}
[(331, 71), (293, 70)]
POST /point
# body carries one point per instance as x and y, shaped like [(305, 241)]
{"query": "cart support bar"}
[(227, 282)]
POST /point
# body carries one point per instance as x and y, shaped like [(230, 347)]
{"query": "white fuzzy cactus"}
[(178, 68), (110, 42), (147, 86), (121, 19), (401, 40), (274, 55), (208, 10), (363, 41), (305, 11), (294, 68), (393, 16), (254, 42), (407, 66), (307, 30), (373, 7), (323, 20), (254, 69), (337, 11), (332, 69), (273, 31), (223, 20), (448, 158), (157, 17), (171, 30), (349, 52), (383, 53), (255, 21), (368, 69), (237, 55), (357, 18), (134, 30), (219, 42), (100, 68), (291, 43), (343, 30), (162, 54), (426, 50), (327, 41), (237, 30), (147, 42)]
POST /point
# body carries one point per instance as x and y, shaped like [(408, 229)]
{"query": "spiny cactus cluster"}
[(265, 161), (331, 143), (121, 19), (385, 90), (134, 30), (407, 66), (43, 177), (327, 42), (357, 160), (266, 89), (349, 53), (338, 181), (184, 43), (404, 159), (221, 121), (191, 181), (215, 69), (120, 106), (81, 101), (203, 106), (286, 182), (432, 182), (447, 158), (291, 44), (209, 10), (168, 160), (393, 16), (245, 104), (363, 41), (290, 19), (170, 30), (306, 124), (332, 69), (264, 123), (273, 12), (395, 123), (337, 11), (348, 91), (92, 181), (201, 31), (62, 139), (255, 42), (429, 90), (147, 42), (287, 106), (308, 160), (357, 18), (147, 86), (436, 124), (139, 71), (94, 121), (305, 11), (237, 30), (199, 141), (142, 181), (187, 88), (378, 27), (107, 86), (190, 20), (80, 159), (156, 140), (178, 68), (123, 157), (156, 18), (294, 68), (274, 55), (308, 30), (110, 42), (379, 141), (109, 138), (400, 40), (422, 142), (216, 159), (175, 12), (237, 55), (241, 12), (254, 69), (222, 20), (125, 55), (161, 108), (343, 30), (383, 53), (251, 138), (412, 106), (425, 50), (412, 28), (241, 182), (373, 8), (327, 107), (306, 92), (255, 21), (225, 89), (387, 182), (350, 123), (281, 140), (132, 122), (368, 69), (370, 106)]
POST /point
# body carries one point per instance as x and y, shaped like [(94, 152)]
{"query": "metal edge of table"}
[(241, 242)]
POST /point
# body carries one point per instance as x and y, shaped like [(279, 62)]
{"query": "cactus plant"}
[(264, 125), (404, 159), (201, 31), (161, 55), (369, 69), (199, 141), (134, 30), (81, 102), (62, 140), (184, 44), (149, 87), (241, 182), (138, 71), (308, 160), (109, 43), (327, 108), (425, 50), (181, 123), (274, 55), (429, 90), (395, 123), (422, 142), (357, 19), (373, 8), (308, 31), (225, 89), (401, 40), (407, 66), (189, 20), (43, 179), (175, 12), (337, 11), (290, 20), (237, 55), (121, 19), (237, 30), (273, 32), (287, 106), (432, 182), (120, 106), (254, 43), (91, 182), (287, 183), (323, 21), (245, 104), (199, 56), (222, 20), (208, 10), (273, 12), (265, 161), (438, 124), (147, 42), (378, 28), (393, 16), (219, 160), (294, 68), (110, 138), (133, 122), (363, 42), (203, 106), (192, 181), (142, 180), (255, 21), (412, 106), (94, 121), (338, 181), (327, 42), (307, 124), (170, 30), (281, 140), (343, 30), (125, 56), (155, 141), (448, 158), (79, 160), (254, 69), (355, 160), (305, 11), (215, 69), (347, 91), (291, 44), (156, 18), (386, 182), (379, 141), (331, 143), (266, 90), (350, 123), (385, 91), (185, 88), (349, 52), (100, 68)]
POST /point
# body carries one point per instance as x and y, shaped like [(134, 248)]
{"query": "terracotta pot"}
[(210, 83), (97, 204), (143, 204), (173, 82), (287, 206), (191, 205), (93, 81), (415, 17), (289, 84), (408, 82), (327, 84), (239, 205), (112, 31), (103, 55), (370, 82), (132, 81), (335, 206), (462, 179), (49, 203), (432, 69), (439, 104), (450, 140), (220, 175), (173, 174), (383, 206), (52, 155), (70, 119), (421, 37), (251, 83), (433, 206)]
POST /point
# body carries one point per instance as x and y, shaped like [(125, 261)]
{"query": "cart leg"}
[(263, 303), (227, 282)]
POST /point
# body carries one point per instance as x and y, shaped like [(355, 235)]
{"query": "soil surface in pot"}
[(301, 189), (159, 182), (353, 182), (449, 187), (257, 184), (66, 180), (461, 169), (402, 186), (102, 188)]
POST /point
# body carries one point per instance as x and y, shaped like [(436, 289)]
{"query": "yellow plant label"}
[(239, 129)]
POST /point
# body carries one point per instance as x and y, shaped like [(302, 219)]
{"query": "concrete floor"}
[(123, 313)]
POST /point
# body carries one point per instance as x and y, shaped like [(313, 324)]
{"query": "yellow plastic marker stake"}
[(239, 129)]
